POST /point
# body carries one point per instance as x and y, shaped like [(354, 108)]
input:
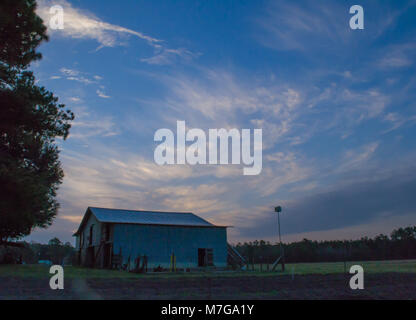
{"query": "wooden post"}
[(172, 263)]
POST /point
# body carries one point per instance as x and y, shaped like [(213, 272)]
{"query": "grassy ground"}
[(383, 280), (41, 271), (406, 266)]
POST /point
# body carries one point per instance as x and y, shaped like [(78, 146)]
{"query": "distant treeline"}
[(401, 244), (55, 252)]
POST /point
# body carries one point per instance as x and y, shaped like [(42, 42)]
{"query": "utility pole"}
[(281, 259)]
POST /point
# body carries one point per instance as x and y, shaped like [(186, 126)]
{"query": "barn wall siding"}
[(96, 238), (158, 243), (96, 232)]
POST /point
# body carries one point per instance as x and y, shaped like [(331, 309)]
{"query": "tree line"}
[(55, 252), (401, 244)]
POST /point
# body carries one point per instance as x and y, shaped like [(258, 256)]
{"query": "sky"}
[(336, 107)]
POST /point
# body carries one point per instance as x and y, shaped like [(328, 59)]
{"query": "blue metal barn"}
[(128, 239)]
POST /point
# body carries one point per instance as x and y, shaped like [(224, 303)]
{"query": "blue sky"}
[(336, 106)]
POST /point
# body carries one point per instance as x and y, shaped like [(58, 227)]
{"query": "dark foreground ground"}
[(330, 286)]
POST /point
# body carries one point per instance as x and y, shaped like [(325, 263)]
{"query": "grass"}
[(405, 266), (42, 271)]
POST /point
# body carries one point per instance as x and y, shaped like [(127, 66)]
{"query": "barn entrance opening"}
[(90, 249), (107, 255), (90, 257), (205, 257)]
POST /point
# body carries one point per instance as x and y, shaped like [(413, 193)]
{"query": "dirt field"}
[(335, 286), (33, 283)]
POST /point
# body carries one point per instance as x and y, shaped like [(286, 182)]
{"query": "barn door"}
[(107, 255), (201, 257), (205, 257)]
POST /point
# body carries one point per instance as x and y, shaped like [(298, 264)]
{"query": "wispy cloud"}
[(287, 113), (220, 99), (104, 178), (166, 56), (75, 99), (75, 75), (87, 125), (377, 200), (297, 26), (307, 25), (74, 219), (80, 24), (322, 120), (395, 61), (101, 94), (83, 78), (398, 56), (355, 158), (397, 120)]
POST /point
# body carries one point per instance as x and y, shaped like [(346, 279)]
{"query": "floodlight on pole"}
[(281, 259)]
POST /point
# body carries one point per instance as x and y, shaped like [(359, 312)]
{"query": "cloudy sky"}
[(336, 106)]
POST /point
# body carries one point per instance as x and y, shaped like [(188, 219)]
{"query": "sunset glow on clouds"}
[(336, 106)]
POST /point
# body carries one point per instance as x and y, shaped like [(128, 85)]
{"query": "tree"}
[(55, 242), (30, 121), (57, 251)]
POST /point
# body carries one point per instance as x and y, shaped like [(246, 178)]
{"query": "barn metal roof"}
[(145, 217)]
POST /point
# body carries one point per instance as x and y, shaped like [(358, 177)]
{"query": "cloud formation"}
[(355, 204), (80, 24), (336, 111), (101, 94)]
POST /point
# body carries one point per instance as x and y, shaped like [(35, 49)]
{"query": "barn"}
[(138, 240)]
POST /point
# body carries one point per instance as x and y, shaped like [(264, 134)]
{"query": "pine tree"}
[(30, 121)]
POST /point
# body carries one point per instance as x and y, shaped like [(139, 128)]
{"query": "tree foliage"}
[(55, 251), (400, 245), (30, 121)]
